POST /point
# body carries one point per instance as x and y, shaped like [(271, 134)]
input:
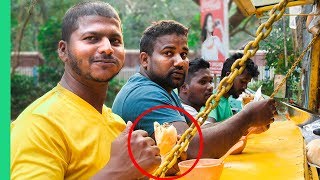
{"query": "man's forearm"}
[(219, 138)]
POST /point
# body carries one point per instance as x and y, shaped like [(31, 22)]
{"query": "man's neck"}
[(94, 95), (226, 95), (185, 101), (145, 74)]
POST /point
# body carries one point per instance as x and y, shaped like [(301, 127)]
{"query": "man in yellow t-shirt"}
[(69, 133)]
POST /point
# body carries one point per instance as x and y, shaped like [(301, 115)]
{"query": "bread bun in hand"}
[(165, 136), (247, 98), (313, 152)]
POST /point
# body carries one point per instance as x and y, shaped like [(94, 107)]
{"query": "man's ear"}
[(227, 74), (144, 59), (62, 51), (184, 88)]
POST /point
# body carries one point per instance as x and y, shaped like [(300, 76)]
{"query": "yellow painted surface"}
[(248, 7), (313, 173), (275, 154), (299, 117), (314, 77)]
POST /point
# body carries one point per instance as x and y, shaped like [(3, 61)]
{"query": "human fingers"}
[(127, 129), (269, 110), (140, 132), (149, 141), (155, 149), (152, 153), (183, 156), (272, 104), (178, 137), (271, 121), (155, 163)]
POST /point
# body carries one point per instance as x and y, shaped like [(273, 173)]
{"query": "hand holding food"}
[(143, 149), (165, 136), (261, 112)]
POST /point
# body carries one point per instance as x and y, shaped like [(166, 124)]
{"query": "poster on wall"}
[(214, 35)]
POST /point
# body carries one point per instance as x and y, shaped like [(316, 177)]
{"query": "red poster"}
[(214, 36)]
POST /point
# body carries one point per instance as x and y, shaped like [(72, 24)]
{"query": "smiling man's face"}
[(95, 51)]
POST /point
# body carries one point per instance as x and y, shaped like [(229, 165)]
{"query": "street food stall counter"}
[(278, 153)]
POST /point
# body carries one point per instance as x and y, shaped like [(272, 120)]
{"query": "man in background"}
[(223, 110), (197, 87)]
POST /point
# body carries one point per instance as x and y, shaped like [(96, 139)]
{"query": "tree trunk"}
[(19, 37), (304, 37)]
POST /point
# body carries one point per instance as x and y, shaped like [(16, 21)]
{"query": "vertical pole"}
[(285, 41), (215, 81), (314, 77)]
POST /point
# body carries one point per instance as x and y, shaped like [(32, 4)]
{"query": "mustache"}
[(104, 58), (178, 71)]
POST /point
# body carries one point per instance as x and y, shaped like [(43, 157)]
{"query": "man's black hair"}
[(204, 27), (251, 68), (157, 29), (194, 66), (88, 8)]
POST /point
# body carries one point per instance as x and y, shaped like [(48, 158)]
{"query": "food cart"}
[(280, 152)]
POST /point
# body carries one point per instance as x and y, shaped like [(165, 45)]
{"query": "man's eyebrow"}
[(115, 34), (173, 47), (169, 47), (89, 32)]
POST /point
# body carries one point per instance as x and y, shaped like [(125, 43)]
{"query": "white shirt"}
[(192, 111)]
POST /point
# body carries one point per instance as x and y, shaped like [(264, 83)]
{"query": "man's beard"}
[(75, 67), (167, 81), (232, 92)]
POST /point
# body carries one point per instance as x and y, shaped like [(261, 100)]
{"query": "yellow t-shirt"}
[(61, 136)]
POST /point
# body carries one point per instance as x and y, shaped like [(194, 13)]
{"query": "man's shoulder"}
[(139, 85), (138, 93), (43, 104), (223, 103), (191, 110)]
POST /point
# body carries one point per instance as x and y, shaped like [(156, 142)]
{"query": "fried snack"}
[(313, 152), (247, 98), (165, 136)]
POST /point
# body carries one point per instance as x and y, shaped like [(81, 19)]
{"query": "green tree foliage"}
[(114, 87), (23, 92), (274, 44), (194, 38), (267, 86), (137, 15), (49, 36)]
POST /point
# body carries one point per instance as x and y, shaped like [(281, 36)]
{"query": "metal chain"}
[(295, 64), (224, 86)]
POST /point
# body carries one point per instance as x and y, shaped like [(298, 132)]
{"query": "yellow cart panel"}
[(276, 154)]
